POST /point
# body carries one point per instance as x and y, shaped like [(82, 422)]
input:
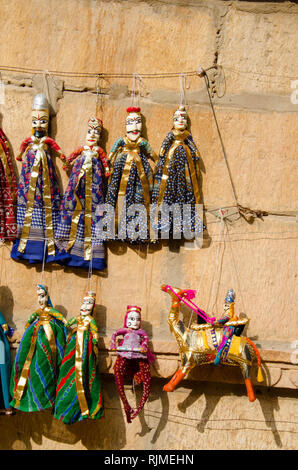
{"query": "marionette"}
[(208, 342), (38, 359), (79, 393), (176, 181), (130, 185), (133, 359), (38, 191), (8, 192), (5, 366), (76, 236)]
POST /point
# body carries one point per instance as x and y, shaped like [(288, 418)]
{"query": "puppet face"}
[(133, 320), (180, 120), (94, 131), (42, 297), (40, 122), (87, 306), (133, 126)]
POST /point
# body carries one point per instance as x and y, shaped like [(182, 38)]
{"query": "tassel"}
[(260, 377)]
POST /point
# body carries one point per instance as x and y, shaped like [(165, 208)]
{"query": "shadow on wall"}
[(27, 431), (7, 305)]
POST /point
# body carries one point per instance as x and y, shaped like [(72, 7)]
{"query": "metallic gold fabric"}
[(132, 150), (82, 326), (44, 319), (40, 159), (86, 170), (179, 140)]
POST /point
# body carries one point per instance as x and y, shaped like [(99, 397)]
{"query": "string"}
[(183, 85), (43, 260), (235, 269), (136, 83), (206, 79), (89, 278), (221, 229)]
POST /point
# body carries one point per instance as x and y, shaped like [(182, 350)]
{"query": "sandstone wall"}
[(255, 44)]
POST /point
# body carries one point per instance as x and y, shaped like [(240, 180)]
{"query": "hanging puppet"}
[(79, 393), (8, 192), (38, 191), (133, 359), (5, 366), (38, 359), (210, 342), (81, 209), (130, 185), (176, 182)]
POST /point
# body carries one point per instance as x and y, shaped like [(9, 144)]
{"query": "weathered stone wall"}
[(255, 44)]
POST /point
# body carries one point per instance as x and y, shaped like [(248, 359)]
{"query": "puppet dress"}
[(81, 210), (38, 204), (176, 182), (133, 360), (131, 182), (5, 364), (8, 192), (79, 393), (37, 362)]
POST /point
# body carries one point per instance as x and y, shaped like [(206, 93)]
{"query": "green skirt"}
[(40, 388)]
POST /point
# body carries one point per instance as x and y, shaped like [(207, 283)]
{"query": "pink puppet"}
[(134, 358)]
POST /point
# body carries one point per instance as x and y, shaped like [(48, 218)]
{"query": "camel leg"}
[(187, 365), (175, 380), (245, 369)]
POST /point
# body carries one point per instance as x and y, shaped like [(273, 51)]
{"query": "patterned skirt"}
[(40, 389), (67, 406)]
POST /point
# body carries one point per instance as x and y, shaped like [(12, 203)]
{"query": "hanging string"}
[(206, 79), (183, 86), (43, 261), (221, 233), (136, 84), (89, 277), (235, 268)]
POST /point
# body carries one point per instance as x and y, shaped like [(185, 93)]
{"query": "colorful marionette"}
[(5, 366), (38, 191), (8, 192), (79, 394), (130, 185), (77, 238), (133, 359), (176, 182), (204, 343), (38, 359)]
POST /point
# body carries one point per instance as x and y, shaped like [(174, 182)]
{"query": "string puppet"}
[(8, 192), (5, 366), (38, 359), (39, 197), (130, 185), (212, 342), (176, 180), (133, 359), (81, 208), (79, 393)]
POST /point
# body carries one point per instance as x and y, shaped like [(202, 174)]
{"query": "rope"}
[(206, 79)]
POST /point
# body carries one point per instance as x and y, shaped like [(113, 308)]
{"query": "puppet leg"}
[(143, 375), (121, 370)]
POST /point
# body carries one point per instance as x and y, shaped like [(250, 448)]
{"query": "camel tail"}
[(260, 377)]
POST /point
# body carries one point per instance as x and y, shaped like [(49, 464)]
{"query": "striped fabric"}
[(67, 407), (40, 388)]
